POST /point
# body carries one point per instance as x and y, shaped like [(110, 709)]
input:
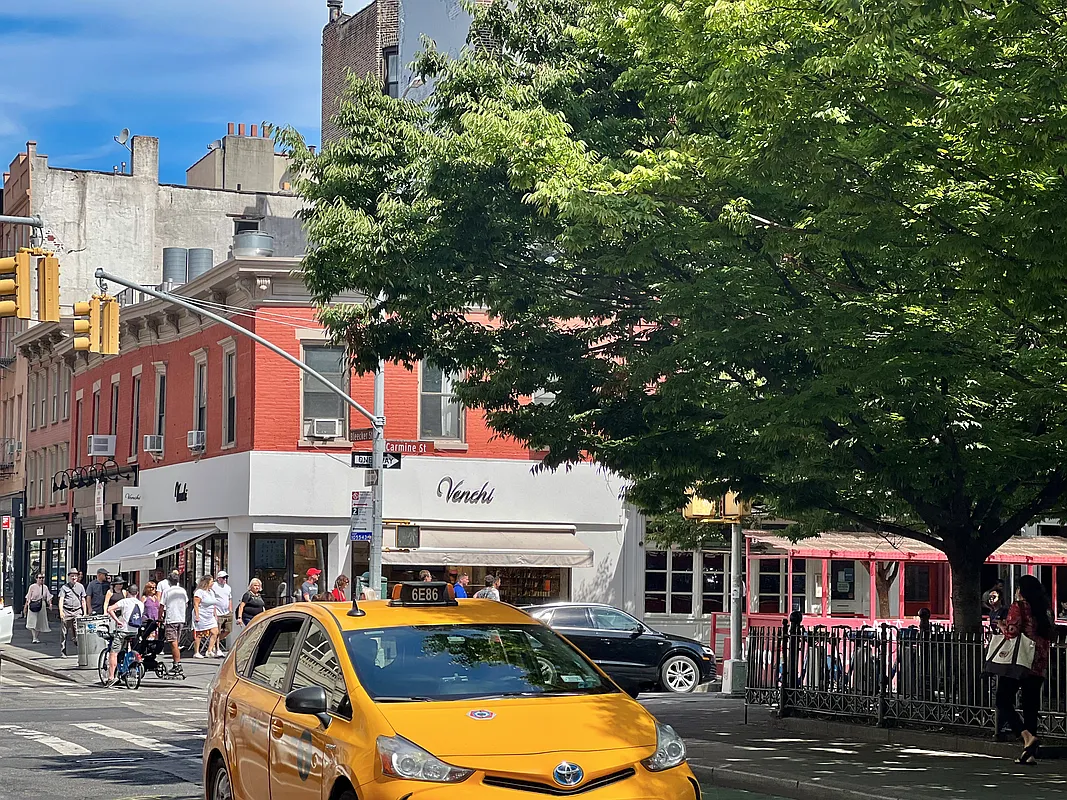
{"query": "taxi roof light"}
[(416, 594)]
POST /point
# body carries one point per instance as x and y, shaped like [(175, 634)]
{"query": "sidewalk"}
[(44, 658), (829, 762)]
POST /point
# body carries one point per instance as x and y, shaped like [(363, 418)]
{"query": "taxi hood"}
[(523, 726)]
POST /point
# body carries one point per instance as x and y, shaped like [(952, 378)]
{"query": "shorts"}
[(173, 631), (118, 641)]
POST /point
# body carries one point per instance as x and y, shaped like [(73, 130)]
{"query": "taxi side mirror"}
[(309, 700)]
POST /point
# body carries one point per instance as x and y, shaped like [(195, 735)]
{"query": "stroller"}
[(149, 643)]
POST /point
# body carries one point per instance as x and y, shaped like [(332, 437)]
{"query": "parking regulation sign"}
[(362, 520)]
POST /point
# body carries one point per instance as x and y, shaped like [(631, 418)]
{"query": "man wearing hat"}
[(310, 587), (72, 604), (224, 605)]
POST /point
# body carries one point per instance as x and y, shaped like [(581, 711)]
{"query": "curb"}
[(13, 655), (729, 778)]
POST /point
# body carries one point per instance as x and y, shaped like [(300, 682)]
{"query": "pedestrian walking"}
[(38, 601), (72, 605), (460, 586), (175, 603), (116, 592), (1028, 616), (338, 593), (310, 587), (998, 605), (425, 576), (251, 602), (127, 612), (205, 623), (223, 608), (151, 602), (97, 590), (491, 590)]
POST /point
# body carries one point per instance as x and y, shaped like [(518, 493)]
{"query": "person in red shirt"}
[(1029, 615), (339, 586)]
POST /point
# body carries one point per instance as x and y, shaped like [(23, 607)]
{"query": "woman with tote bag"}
[(38, 600), (1025, 634)]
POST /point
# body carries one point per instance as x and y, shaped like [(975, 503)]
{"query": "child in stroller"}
[(149, 643)]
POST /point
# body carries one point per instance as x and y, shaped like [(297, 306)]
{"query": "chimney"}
[(266, 130), (335, 7), (241, 129), (145, 161), (229, 129), (255, 131)]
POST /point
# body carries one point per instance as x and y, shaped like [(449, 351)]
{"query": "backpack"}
[(135, 617)]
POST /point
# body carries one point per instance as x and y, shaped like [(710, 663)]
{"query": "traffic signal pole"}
[(377, 419)]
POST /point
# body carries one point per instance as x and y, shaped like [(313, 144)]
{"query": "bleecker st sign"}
[(456, 492)]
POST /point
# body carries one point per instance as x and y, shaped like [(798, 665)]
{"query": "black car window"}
[(570, 618), (318, 666), (608, 619), (245, 646), (271, 662)]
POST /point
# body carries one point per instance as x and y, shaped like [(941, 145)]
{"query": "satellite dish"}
[(123, 137)]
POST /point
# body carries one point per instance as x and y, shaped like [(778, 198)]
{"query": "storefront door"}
[(281, 562), (50, 557)]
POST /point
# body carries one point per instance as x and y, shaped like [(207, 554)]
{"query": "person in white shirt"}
[(205, 623), (175, 603), (491, 590), (223, 608), (127, 614), (171, 580)]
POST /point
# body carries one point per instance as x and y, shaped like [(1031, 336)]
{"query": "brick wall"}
[(350, 43)]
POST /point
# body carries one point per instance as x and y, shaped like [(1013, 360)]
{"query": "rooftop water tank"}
[(201, 259), (253, 243), (175, 265)]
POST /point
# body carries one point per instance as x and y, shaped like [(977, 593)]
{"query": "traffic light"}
[(87, 331), (109, 325), (18, 286), (48, 289)]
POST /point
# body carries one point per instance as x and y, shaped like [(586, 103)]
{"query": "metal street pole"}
[(377, 420), (734, 675), (35, 222)]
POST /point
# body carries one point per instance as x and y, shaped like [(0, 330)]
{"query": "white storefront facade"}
[(564, 535)]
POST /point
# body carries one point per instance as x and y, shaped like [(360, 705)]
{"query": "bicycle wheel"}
[(102, 667), (134, 675)]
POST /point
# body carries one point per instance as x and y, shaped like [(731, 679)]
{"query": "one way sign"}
[(391, 461)]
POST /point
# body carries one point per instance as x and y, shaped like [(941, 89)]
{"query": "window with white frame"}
[(68, 374), (135, 416), (31, 405), (96, 412), (440, 413), (42, 466), (114, 429), (55, 393), (229, 395), (200, 391), (64, 455), (49, 472), (669, 581), (79, 431), (42, 397), (319, 402)]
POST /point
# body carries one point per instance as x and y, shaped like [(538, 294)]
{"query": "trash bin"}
[(90, 644)]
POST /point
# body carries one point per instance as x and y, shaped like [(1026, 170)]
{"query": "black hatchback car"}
[(636, 657)]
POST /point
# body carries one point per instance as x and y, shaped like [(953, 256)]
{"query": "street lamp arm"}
[(181, 301)]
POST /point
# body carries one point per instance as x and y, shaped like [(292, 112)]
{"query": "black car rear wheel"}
[(220, 784), (680, 674)]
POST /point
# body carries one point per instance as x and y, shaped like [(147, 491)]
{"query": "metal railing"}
[(887, 676)]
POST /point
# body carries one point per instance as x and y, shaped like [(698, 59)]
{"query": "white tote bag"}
[(1010, 658)]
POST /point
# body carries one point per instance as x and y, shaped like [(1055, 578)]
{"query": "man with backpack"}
[(72, 603), (128, 614)]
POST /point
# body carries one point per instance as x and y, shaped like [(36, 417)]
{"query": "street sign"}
[(370, 477), (361, 434), (362, 519), (409, 448), (360, 536), (391, 461), (362, 460)]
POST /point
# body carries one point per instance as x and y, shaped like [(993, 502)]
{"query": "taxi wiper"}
[(401, 699)]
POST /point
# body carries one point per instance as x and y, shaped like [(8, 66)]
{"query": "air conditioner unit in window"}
[(153, 444), (326, 429), (197, 441), (99, 446), (13, 448)]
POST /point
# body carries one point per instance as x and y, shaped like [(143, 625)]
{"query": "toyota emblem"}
[(568, 774)]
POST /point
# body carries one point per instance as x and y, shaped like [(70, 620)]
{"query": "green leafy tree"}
[(812, 252)]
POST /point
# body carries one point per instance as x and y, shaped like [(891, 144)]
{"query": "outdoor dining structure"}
[(859, 626)]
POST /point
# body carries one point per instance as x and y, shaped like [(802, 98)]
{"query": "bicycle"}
[(129, 669)]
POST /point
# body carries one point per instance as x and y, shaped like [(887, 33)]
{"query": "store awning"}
[(494, 549), (147, 546)]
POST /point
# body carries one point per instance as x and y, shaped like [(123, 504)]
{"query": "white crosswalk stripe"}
[(143, 742), (168, 725), (61, 746)]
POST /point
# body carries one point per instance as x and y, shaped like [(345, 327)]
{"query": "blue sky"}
[(78, 71)]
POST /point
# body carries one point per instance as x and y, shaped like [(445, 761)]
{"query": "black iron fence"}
[(888, 676)]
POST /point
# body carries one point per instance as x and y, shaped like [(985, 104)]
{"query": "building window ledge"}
[(450, 444), (315, 444)]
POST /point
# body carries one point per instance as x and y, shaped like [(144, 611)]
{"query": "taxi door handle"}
[(331, 747), (231, 710), (277, 728)]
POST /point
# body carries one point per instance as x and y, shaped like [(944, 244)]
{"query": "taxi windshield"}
[(465, 662)]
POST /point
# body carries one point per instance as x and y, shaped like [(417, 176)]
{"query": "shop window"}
[(271, 663), (440, 413), (319, 401), (843, 580), (135, 416), (317, 665), (668, 582), (229, 397), (770, 585), (714, 589)]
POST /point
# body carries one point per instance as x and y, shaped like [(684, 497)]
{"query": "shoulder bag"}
[(1010, 657), (38, 604)]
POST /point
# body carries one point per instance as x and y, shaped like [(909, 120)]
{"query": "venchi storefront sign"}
[(455, 492)]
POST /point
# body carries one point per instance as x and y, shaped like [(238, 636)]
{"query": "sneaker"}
[(198, 655), (111, 682), (220, 654)]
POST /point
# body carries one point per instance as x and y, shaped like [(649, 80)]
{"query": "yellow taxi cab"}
[(424, 698)]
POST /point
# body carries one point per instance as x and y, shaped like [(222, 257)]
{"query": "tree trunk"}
[(885, 573), (966, 569)]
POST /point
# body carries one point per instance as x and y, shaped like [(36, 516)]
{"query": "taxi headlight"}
[(670, 750), (402, 759)]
